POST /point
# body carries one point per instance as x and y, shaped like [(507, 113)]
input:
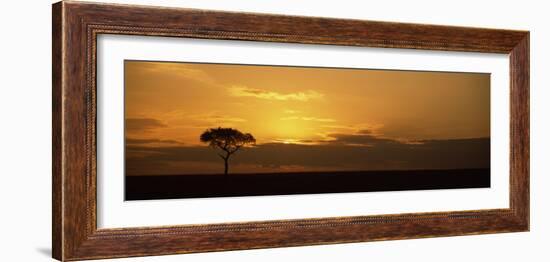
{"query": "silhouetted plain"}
[(203, 186)]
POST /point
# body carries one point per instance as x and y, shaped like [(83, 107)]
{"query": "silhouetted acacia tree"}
[(229, 140)]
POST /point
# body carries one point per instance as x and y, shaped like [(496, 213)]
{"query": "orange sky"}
[(392, 117), (294, 104)]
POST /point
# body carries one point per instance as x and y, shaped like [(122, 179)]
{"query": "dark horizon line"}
[(313, 143), (325, 172)]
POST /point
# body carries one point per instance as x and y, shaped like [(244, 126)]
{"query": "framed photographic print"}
[(312, 130), (181, 130)]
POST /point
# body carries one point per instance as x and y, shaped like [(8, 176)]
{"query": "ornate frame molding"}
[(76, 26)]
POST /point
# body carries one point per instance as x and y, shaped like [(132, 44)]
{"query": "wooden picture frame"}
[(76, 26)]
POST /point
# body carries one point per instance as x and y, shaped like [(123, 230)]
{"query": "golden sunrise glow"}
[(169, 103)]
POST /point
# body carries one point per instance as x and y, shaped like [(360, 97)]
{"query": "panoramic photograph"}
[(197, 130)]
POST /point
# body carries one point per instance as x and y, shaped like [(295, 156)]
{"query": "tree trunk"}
[(226, 160)]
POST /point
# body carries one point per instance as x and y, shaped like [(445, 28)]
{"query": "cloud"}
[(370, 128), (358, 139), (307, 118), (142, 124), (175, 69), (139, 141), (215, 117), (364, 137), (243, 91), (340, 127)]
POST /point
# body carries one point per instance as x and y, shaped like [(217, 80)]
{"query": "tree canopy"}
[(228, 140)]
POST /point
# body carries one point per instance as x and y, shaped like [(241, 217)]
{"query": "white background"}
[(25, 106)]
